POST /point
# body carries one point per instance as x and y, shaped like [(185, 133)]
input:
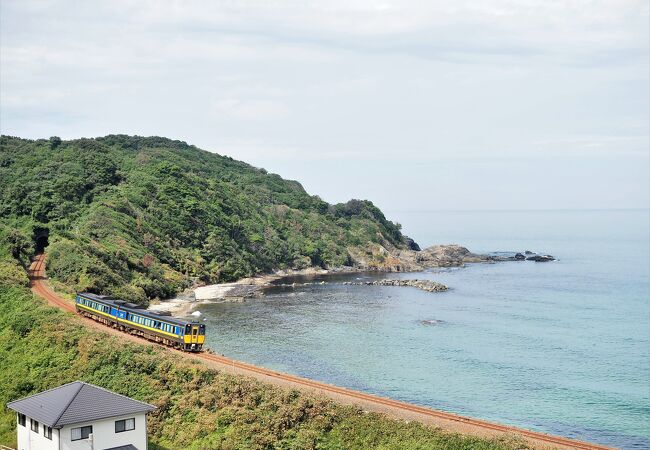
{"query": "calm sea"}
[(561, 347)]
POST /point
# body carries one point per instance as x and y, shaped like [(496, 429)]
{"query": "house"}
[(79, 416)]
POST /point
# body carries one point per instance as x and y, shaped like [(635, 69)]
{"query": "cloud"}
[(297, 86), (249, 109)]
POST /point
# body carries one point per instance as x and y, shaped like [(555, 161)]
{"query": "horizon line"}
[(515, 210)]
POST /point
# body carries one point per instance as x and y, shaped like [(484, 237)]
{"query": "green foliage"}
[(144, 217), (197, 408), (15, 249)]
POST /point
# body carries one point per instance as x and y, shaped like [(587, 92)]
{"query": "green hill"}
[(143, 217)]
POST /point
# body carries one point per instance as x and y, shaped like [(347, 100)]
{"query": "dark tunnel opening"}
[(41, 239)]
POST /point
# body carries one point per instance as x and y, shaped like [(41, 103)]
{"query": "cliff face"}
[(392, 259)]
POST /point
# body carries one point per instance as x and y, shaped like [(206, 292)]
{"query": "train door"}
[(195, 334)]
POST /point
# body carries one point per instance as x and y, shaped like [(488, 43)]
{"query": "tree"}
[(55, 141)]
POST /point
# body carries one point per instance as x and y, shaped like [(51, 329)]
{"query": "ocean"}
[(561, 347)]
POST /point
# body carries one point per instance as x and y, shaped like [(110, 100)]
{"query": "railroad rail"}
[(431, 416)]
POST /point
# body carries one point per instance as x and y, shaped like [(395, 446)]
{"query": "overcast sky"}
[(491, 104)]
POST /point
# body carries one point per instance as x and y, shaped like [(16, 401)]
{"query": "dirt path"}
[(393, 408)]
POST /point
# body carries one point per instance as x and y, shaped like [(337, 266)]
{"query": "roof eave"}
[(61, 425)]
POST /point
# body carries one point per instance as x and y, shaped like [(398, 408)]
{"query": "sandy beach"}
[(186, 303)]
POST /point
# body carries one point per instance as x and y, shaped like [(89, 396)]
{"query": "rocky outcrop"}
[(540, 258), (411, 244), (387, 258), (425, 285)]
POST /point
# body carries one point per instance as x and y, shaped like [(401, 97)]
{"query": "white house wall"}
[(104, 435), (31, 440)]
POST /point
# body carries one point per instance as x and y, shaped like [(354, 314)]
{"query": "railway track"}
[(443, 419)]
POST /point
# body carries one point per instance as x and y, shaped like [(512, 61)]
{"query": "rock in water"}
[(540, 258), (519, 257), (425, 285)]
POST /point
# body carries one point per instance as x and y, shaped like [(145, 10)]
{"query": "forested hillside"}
[(142, 217)]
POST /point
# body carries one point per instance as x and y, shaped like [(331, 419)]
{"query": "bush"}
[(11, 274)]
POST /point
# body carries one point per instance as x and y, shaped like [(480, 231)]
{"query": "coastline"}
[(368, 402), (395, 261), (235, 291)]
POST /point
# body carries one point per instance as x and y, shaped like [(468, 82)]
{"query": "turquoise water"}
[(561, 347)]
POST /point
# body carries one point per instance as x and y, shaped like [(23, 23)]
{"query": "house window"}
[(21, 419), (47, 432), (34, 424), (80, 433), (124, 425)]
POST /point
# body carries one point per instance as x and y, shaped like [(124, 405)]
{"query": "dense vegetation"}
[(198, 408), (142, 217)]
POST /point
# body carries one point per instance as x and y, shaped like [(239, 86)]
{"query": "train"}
[(155, 326)]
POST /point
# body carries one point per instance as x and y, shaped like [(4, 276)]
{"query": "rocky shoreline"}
[(375, 258), (425, 285)]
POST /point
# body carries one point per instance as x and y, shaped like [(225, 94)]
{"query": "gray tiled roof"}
[(123, 447), (77, 402)]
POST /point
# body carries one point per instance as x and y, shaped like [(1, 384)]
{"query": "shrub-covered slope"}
[(198, 408), (140, 217)]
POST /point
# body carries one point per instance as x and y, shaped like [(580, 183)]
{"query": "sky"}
[(415, 105)]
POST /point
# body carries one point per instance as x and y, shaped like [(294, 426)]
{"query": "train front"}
[(194, 337)]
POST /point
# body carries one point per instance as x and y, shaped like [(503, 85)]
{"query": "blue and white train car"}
[(131, 318)]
